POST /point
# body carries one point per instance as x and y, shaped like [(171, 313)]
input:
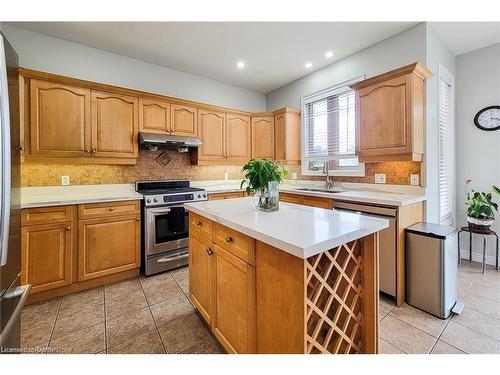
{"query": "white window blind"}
[(329, 133), (446, 149)]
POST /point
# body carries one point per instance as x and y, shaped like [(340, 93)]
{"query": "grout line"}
[(54, 324), (105, 320)]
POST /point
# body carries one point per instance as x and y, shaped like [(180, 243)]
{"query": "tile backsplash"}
[(147, 168)]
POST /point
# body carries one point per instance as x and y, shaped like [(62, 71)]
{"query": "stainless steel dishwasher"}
[(387, 241)]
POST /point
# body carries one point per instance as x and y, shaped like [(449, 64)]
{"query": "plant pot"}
[(480, 224), (267, 199)]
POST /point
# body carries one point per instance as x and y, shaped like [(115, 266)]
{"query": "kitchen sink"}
[(322, 190)]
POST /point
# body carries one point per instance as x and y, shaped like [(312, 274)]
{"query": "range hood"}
[(155, 141)]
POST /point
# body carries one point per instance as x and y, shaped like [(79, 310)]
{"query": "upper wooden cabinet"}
[(263, 137), (225, 137), (212, 131), (60, 120), (287, 136), (154, 116), (183, 120), (114, 125), (238, 138), (390, 115)]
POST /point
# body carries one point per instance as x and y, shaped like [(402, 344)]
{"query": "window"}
[(446, 148), (329, 133)]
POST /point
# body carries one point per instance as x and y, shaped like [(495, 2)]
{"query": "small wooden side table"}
[(483, 233)]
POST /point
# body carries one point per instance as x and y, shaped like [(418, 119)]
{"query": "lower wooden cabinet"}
[(216, 196), (47, 256), (107, 246), (200, 275), (321, 202), (234, 302)]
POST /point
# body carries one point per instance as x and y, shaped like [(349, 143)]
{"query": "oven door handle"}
[(170, 259)]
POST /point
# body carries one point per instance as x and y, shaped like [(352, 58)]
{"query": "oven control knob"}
[(148, 200), (199, 195), (204, 195), (155, 200)]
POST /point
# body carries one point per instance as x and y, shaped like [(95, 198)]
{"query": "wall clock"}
[(488, 118)]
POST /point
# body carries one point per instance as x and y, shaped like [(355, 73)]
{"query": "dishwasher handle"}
[(366, 209)]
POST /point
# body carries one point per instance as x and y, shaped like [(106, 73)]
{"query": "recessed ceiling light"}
[(329, 54), (308, 65), (240, 64)]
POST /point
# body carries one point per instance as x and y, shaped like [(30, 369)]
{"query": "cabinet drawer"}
[(236, 243), (108, 209), (318, 202), (47, 215), (200, 225), (291, 198)]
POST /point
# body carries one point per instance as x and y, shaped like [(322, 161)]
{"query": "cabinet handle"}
[(229, 239), (87, 150), (111, 209), (68, 228), (209, 251), (137, 219), (198, 223), (93, 151), (21, 148)]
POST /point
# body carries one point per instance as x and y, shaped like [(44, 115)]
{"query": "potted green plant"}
[(262, 178), (480, 208)]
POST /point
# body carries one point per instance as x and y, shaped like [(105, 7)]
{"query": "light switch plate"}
[(294, 175), (64, 180), (380, 178), (414, 179)]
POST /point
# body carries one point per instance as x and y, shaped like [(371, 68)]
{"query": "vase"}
[(480, 224), (267, 199)]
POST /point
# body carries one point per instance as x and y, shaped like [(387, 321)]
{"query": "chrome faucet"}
[(329, 181)]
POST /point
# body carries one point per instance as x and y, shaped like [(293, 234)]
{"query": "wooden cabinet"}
[(390, 115), (238, 138), (200, 274), (307, 200), (183, 120), (60, 120), (154, 116), (47, 256), (107, 246), (287, 136), (263, 137), (217, 196), (234, 302), (114, 125), (212, 131)]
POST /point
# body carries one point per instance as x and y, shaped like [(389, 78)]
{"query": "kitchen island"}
[(298, 280)]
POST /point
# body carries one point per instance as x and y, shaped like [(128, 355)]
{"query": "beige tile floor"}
[(140, 315), (154, 315), (406, 329)]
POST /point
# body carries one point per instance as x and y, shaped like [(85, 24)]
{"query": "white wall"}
[(436, 53), (478, 152), (399, 50), (53, 55)]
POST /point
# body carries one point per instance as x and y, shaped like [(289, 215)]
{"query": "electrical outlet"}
[(226, 176), (380, 178), (294, 175), (414, 179), (64, 180)]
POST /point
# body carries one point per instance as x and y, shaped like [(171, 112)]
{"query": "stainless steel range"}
[(166, 223)]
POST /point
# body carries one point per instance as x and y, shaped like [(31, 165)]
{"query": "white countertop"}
[(387, 195), (298, 230), (76, 194)]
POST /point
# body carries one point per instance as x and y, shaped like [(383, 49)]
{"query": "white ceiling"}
[(274, 53), (463, 37)]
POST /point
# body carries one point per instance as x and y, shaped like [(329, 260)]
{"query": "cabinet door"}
[(238, 138), (234, 302), (107, 246), (60, 120), (384, 113), (200, 288), (154, 116), (211, 129), (318, 202), (183, 120), (263, 137), (280, 137), (47, 256), (114, 125)]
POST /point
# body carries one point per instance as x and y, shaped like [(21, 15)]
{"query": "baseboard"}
[(477, 257)]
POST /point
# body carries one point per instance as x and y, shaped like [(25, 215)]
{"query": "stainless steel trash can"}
[(431, 268)]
